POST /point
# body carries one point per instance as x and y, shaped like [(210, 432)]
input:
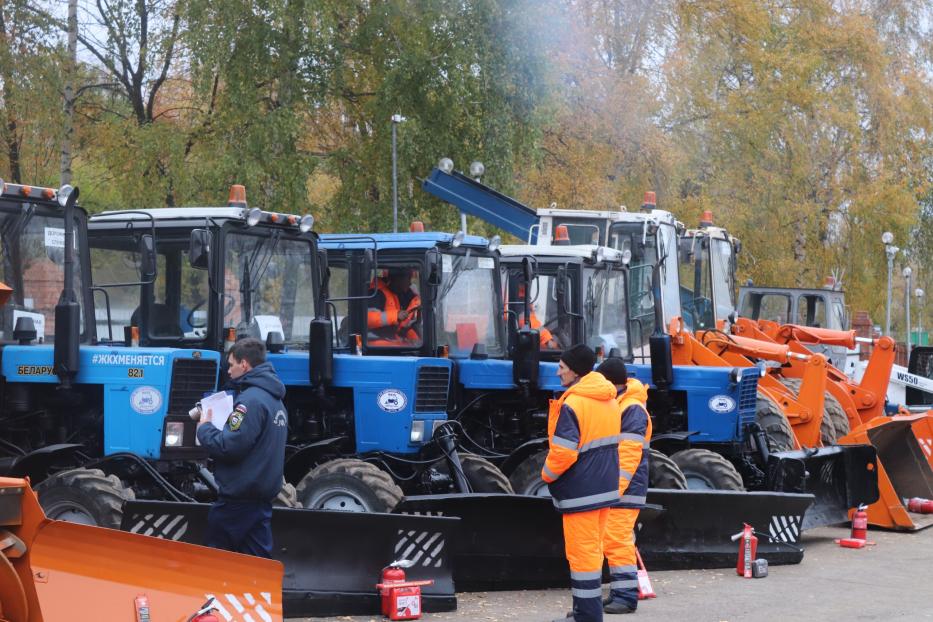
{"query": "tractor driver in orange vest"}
[(394, 309), (546, 338)]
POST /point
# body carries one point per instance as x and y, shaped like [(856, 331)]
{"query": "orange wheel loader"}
[(905, 470)]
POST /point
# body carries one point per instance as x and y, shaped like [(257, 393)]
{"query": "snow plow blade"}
[(903, 470), (51, 571), (696, 528), (523, 548), (840, 477), (333, 560)]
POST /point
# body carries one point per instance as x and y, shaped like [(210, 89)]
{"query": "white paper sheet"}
[(220, 405)]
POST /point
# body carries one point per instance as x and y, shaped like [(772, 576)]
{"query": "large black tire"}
[(664, 472), (483, 475), (350, 485), (837, 414), (526, 478), (707, 470), (775, 425), (85, 496), (287, 497), (827, 424)]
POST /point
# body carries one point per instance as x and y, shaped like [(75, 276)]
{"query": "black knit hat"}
[(580, 359), (613, 368)]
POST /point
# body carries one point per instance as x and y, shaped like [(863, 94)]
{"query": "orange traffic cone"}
[(644, 582)]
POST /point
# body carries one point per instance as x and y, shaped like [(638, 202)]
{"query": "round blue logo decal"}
[(146, 400), (391, 400), (721, 404)]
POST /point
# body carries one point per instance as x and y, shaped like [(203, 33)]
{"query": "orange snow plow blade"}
[(903, 470), (52, 571)]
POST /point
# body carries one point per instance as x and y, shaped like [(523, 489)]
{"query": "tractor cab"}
[(415, 293), (649, 237), (707, 275), (32, 266), (819, 308), (218, 272), (578, 295)]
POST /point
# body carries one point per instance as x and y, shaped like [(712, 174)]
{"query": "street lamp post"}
[(891, 251), (907, 273), (919, 294), (396, 119)]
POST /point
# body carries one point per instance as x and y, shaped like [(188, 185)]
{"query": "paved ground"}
[(892, 580)]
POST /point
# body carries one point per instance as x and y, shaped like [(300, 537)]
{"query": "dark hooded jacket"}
[(249, 453)]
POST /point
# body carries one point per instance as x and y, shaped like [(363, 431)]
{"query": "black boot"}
[(616, 606)]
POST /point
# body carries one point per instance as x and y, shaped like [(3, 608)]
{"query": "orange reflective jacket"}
[(382, 316), (582, 465)]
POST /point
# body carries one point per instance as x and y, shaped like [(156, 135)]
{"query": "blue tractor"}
[(94, 424), (704, 417), (500, 386), (363, 431)]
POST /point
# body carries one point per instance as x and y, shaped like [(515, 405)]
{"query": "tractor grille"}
[(431, 390), (191, 379), (748, 396)]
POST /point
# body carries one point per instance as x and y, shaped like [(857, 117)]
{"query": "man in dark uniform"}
[(249, 454)]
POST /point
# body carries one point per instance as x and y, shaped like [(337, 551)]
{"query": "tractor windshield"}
[(651, 244), (606, 311), (32, 247), (467, 305), (268, 284)]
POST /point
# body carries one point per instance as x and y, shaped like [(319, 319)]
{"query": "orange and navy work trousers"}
[(583, 543), (619, 545)]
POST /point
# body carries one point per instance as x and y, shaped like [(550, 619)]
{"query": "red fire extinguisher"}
[(860, 523), (920, 505), (401, 599), (748, 548)]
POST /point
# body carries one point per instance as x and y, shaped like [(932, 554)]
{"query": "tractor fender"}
[(520, 453), (308, 456), (670, 442), (35, 465)]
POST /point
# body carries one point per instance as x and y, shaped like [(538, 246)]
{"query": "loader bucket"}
[(68, 570), (839, 478), (333, 560), (509, 542), (903, 470), (923, 431)]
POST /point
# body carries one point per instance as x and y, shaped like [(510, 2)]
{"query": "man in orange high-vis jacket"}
[(619, 539), (582, 472), (393, 308)]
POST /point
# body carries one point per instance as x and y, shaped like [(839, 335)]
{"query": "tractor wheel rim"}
[(538, 489), (340, 500), (70, 513), (698, 482)]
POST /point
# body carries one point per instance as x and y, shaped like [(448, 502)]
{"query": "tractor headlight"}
[(494, 243), (307, 221), (417, 432), (457, 239), (253, 216), (446, 165), (174, 434), (63, 193)]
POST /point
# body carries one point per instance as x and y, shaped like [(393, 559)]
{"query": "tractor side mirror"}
[(199, 249), (435, 270), (147, 258), (527, 271)]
